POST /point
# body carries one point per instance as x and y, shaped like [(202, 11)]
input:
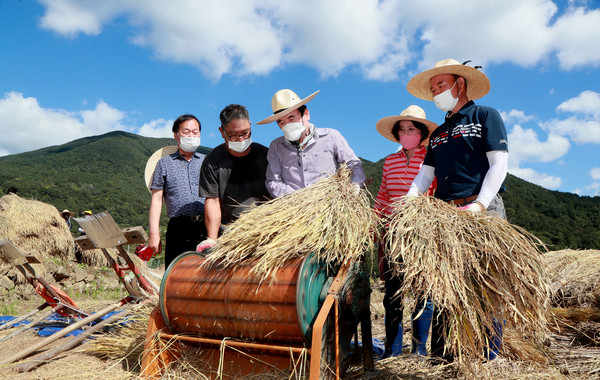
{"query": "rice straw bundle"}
[(330, 218), (475, 266), (574, 278)]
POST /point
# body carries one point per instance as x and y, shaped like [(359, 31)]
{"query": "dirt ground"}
[(570, 360)]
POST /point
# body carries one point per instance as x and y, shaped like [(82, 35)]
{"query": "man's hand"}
[(208, 243), (473, 207), (154, 243)]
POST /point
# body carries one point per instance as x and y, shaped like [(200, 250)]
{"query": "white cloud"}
[(378, 38), (575, 37), (578, 130), (29, 126), (515, 116), (584, 126), (587, 103), (544, 180), (595, 174), (69, 17), (524, 145), (157, 128)]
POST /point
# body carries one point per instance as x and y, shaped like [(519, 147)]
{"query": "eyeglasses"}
[(238, 136)]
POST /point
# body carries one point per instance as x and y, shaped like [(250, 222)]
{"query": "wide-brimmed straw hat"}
[(65, 211), (153, 160), (413, 113), (478, 83), (284, 102)]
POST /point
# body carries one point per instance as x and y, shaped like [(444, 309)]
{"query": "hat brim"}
[(285, 112), (153, 160), (67, 212), (385, 125), (478, 84)]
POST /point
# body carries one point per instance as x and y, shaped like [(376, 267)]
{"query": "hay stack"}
[(475, 266), (330, 218), (574, 278), (34, 226)]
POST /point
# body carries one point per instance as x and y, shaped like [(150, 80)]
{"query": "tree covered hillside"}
[(106, 173)]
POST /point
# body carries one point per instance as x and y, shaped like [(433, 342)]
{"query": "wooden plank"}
[(11, 254), (134, 235), (102, 230), (34, 258)]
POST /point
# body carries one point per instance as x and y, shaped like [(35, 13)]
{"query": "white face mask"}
[(445, 101), (239, 146), (189, 144), (293, 131)]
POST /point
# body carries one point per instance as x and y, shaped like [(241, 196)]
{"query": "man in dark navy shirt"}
[(176, 178), (468, 153)]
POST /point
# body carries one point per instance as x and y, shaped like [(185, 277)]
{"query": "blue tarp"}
[(55, 322)]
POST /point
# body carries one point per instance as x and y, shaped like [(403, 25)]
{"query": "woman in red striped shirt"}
[(411, 129)]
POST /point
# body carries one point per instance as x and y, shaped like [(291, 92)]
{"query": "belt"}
[(463, 201), (195, 218)]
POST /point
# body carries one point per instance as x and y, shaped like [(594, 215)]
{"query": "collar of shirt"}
[(463, 111), (177, 155)]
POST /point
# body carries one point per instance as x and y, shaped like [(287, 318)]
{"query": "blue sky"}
[(75, 68)]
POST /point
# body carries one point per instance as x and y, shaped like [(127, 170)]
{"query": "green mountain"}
[(106, 173)]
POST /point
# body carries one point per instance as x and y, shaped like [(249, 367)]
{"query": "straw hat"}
[(478, 83), (284, 102), (65, 211), (413, 113), (153, 160)]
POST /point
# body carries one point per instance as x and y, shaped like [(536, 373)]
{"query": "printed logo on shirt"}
[(470, 130)]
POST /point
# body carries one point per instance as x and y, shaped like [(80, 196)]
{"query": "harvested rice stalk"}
[(330, 218), (126, 343), (475, 266)]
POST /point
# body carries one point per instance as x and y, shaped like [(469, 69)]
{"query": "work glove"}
[(144, 252), (208, 243), (473, 207)]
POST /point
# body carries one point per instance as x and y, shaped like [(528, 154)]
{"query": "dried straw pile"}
[(475, 266), (34, 226), (331, 218), (574, 278)]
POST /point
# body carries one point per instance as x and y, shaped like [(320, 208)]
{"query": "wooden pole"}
[(26, 316), (59, 334), (33, 323), (48, 355)]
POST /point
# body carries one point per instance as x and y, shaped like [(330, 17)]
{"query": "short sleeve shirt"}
[(457, 150), (238, 182), (179, 179)]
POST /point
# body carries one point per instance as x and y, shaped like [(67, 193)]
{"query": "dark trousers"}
[(421, 318), (183, 235)]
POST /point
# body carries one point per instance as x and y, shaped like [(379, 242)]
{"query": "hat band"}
[(280, 110)]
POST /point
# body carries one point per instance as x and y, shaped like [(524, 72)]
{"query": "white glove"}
[(208, 243), (473, 207)]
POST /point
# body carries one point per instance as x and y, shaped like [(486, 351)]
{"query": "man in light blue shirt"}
[(304, 154), (176, 179)]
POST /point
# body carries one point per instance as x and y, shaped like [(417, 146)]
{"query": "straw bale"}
[(574, 278), (34, 226), (331, 218), (475, 266)]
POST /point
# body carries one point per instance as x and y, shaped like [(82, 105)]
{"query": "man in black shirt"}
[(232, 177)]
